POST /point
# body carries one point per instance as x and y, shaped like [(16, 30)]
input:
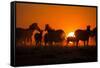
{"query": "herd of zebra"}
[(52, 36)]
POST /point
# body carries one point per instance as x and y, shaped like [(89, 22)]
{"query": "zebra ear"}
[(32, 26), (47, 27), (88, 27)]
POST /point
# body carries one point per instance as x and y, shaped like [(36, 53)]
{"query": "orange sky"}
[(68, 18)]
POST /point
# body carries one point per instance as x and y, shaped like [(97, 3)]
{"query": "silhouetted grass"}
[(37, 55)]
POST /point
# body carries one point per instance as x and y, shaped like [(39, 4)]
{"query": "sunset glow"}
[(71, 34), (66, 18)]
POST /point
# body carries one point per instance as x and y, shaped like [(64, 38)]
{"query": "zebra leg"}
[(87, 42), (23, 41), (30, 41), (74, 43), (67, 43), (36, 43), (51, 43), (46, 43), (77, 43), (40, 43), (84, 43)]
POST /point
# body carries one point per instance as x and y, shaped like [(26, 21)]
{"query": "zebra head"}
[(34, 26)]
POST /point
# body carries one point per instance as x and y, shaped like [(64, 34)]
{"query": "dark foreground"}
[(42, 55)]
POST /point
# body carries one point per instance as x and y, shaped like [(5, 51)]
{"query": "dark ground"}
[(42, 55)]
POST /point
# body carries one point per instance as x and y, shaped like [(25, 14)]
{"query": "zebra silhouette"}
[(83, 35), (38, 38), (25, 35), (53, 35)]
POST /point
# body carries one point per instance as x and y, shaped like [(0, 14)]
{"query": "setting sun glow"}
[(71, 34), (66, 18)]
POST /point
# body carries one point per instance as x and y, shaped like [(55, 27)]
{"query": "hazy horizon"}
[(67, 18)]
